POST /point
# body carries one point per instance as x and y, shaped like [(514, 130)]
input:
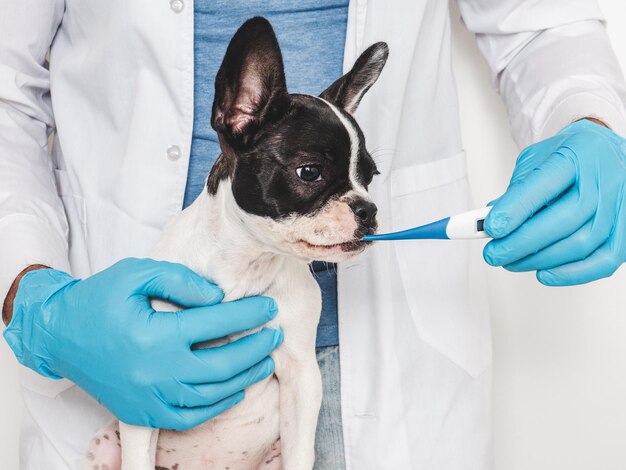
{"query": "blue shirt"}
[(312, 35)]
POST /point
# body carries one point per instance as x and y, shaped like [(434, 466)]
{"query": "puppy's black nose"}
[(365, 211)]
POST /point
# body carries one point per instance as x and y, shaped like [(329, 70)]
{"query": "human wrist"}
[(594, 126), (34, 290), (7, 306), (595, 121)]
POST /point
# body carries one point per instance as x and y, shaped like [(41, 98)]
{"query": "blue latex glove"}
[(564, 213), (102, 334)]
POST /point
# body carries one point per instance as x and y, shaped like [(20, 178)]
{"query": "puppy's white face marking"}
[(357, 187)]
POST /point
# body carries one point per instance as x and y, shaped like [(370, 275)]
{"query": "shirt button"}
[(177, 5), (173, 152)]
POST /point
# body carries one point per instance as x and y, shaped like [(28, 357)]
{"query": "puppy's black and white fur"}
[(289, 187)]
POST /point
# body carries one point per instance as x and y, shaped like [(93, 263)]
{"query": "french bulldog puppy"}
[(289, 187)]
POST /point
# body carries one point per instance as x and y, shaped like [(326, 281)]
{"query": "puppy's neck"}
[(221, 242)]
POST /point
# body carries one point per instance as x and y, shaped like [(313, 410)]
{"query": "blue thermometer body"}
[(466, 226)]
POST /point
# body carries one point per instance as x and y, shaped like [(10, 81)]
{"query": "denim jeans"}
[(329, 450)]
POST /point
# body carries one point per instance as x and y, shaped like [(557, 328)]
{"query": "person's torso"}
[(413, 322)]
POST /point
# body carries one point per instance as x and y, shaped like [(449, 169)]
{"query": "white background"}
[(559, 354)]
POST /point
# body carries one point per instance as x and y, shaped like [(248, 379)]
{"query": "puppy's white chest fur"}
[(244, 437)]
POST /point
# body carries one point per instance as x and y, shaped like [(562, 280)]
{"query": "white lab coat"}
[(413, 319)]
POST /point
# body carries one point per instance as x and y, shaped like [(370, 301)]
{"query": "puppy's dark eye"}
[(309, 173)]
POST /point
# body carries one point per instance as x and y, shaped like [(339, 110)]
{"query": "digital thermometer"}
[(466, 226)]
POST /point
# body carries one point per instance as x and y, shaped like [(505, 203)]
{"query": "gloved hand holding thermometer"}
[(563, 214), (102, 334)]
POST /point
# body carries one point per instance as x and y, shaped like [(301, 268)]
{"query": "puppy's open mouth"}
[(352, 245)]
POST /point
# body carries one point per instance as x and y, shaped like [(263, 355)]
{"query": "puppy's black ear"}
[(250, 89), (347, 92)]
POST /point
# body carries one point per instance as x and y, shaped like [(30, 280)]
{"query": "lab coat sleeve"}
[(33, 226), (551, 61)]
